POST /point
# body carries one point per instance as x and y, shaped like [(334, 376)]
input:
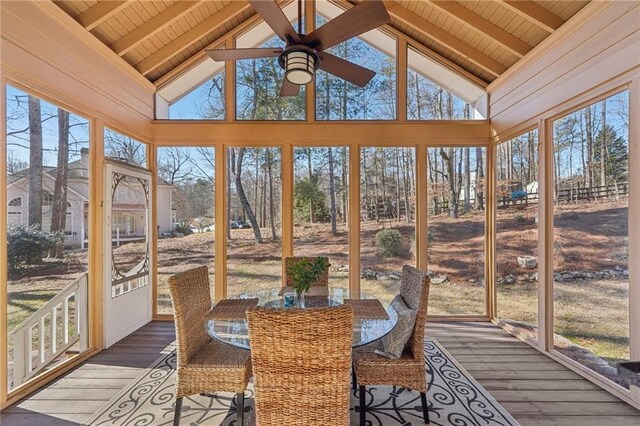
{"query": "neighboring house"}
[(128, 217)]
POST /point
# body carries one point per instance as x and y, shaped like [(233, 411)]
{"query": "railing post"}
[(82, 324), (19, 346)]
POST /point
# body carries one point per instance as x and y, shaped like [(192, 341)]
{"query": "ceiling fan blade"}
[(276, 19), (221, 55), (288, 88), (365, 16), (346, 70)]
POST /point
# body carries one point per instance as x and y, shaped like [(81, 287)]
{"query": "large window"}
[(517, 233), (337, 99), (258, 81), (124, 148), (204, 102), (387, 206), (321, 208), (456, 235), (429, 100), (47, 168), (185, 213), (254, 249), (591, 236)]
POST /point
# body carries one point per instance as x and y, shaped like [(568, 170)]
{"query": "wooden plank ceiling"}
[(483, 37)]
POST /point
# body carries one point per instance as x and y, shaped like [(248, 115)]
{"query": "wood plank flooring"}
[(535, 389)]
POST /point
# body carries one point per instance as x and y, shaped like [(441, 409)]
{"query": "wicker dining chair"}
[(301, 361), (408, 371), (204, 364), (323, 281)]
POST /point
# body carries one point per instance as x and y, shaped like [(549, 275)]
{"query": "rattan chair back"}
[(323, 281), (191, 297), (414, 288), (301, 363)]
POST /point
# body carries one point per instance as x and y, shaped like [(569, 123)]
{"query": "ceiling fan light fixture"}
[(299, 66)]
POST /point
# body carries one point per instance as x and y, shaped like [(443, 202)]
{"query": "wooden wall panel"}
[(597, 45), (45, 50), (178, 133)]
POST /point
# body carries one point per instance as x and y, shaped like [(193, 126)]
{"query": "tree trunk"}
[(603, 146), (243, 197), (345, 185), (480, 178), (449, 163), (272, 220), (231, 160), (59, 208), (467, 180), (332, 194), (312, 209), (35, 163)]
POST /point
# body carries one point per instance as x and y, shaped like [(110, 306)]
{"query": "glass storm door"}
[(127, 293)]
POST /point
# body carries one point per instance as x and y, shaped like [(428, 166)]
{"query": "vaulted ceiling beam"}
[(196, 33), (477, 23), (99, 13), (445, 39), (153, 26), (535, 14)]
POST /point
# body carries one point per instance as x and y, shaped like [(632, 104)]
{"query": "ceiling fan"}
[(303, 54)]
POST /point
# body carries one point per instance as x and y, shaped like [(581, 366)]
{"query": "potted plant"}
[(305, 272)]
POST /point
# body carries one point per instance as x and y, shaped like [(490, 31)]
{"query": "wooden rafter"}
[(99, 13), (153, 26), (445, 39), (536, 14), (255, 19), (479, 24), (196, 33)]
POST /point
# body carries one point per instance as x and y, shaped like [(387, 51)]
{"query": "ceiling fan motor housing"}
[(299, 63)]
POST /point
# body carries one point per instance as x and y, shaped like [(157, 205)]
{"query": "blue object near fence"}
[(516, 195)]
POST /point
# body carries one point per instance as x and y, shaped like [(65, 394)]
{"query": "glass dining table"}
[(236, 331)]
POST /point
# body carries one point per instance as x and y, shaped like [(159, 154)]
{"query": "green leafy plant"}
[(306, 271), (389, 241), (28, 245)]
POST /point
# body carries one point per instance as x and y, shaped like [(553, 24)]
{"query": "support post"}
[(96, 236), (230, 84), (354, 220), (222, 221), (490, 232), (287, 206), (634, 226), (422, 227), (545, 236), (401, 73), (4, 296)]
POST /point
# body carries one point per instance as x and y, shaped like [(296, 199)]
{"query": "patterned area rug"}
[(454, 398)]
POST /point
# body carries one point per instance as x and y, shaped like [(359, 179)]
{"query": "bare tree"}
[(332, 194), (35, 163), (59, 208), (236, 169)]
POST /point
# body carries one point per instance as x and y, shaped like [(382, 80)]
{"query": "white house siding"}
[(164, 204)]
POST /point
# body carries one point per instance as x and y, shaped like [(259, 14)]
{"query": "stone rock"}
[(626, 273), (510, 279), (393, 276), (439, 279), (527, 262), (369, 274)]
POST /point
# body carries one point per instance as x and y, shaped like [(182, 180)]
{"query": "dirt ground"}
[(588, 237)]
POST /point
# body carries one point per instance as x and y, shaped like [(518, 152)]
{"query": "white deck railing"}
[(29, 361)]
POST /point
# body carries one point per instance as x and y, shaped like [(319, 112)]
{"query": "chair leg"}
[(363, 409), (425, 408), (354, 383), (178, 409), (240, 407)]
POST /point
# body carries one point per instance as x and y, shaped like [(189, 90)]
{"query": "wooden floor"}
[(533, 388)]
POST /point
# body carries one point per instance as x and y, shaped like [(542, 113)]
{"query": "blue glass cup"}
[(289, 299)]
